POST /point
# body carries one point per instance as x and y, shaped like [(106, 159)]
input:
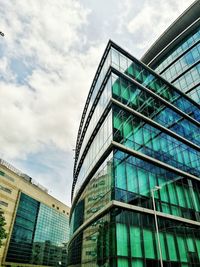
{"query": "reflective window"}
[(98, 111), (40, 234), (134, 133), (189, 79), (97, 86), (145, 77), (23, 231), (186, 43), (180, 65), (195, 94), (134, 179), (132, 95), (100, 143), (95, 195), (122, 237)]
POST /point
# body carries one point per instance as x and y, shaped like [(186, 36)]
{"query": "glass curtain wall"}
[(23, 231), (151, 132), (40, 235), (181, 66)]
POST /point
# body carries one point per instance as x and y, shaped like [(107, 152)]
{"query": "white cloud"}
[(44, 81), (154, 17), (43, 25), (5, 72), (47, 107)]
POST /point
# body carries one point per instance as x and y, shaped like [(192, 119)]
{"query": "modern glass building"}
[(176, 54), (38, 235), (138, 145), (37, 224)]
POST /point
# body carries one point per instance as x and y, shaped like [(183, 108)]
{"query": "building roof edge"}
[(187, 18)]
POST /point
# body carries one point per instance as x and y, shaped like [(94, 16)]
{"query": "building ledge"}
[(188, 20)]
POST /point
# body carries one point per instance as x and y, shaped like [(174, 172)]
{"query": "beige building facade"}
[(14, 183)]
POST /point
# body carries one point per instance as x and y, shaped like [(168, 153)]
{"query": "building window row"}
[(182, 64), (5, 189), (189, 79), (179, 49), (3, 203), (143, 102), (6, 176)]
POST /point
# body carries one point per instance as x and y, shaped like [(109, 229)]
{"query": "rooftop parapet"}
[(22, 175)]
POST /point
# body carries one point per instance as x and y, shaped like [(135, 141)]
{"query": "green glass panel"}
[(164, 145), (146, 135), (130, 70), (153, 86), (162, 245), (132, 181), (165, 93), (148, 244), (181, 196), (124, 84), (112, 246), (182, 248), (137, 263), (171, 247), (187, 196), (172, 194), (116, 88), (134, 97), (180, 157), (121, 175), (165, 208), (138, 136), (175, 211), (125, 90), (136, 242), (122, 240), (107, 243), (135, 72), (127, 127), (196, 200), (23, 230), (156, 144), (122, 263), (198, 247), (117, 122), (164, 194), (143, 181), (152, 180), (161, 181), (190, 243), (187, 159)]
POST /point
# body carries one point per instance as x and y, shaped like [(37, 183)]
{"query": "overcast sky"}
[(48, 59)]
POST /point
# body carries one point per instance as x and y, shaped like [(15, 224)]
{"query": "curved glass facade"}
[(181, 65), (144, 92), (137, 132), (141, 74)]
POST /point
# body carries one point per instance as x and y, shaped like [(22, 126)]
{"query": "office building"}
[(136, 187), (37, 224), (176, 54)]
